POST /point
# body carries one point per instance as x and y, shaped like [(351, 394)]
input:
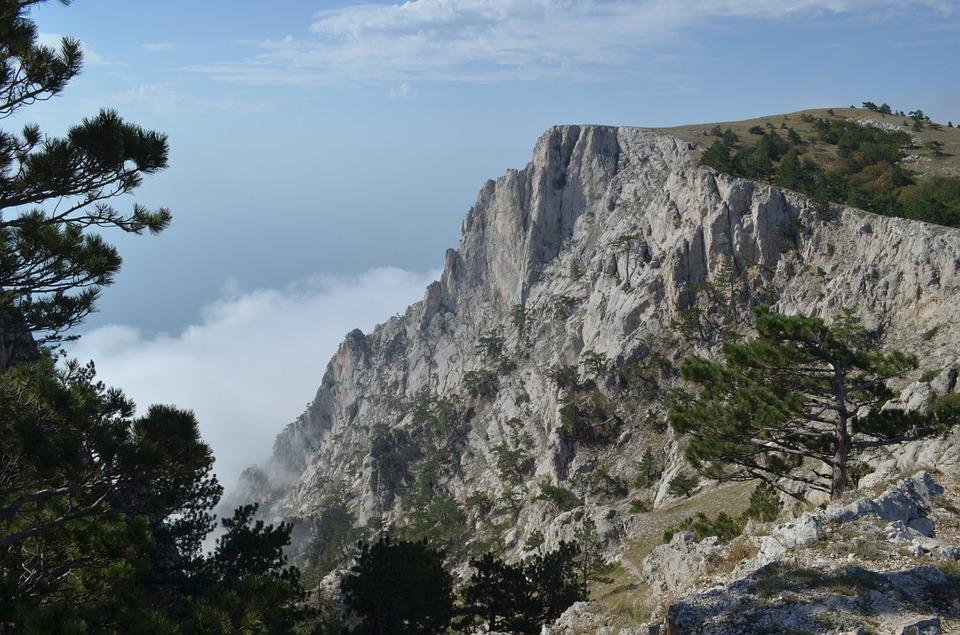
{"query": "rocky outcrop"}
[(872, 564), (681, 563)]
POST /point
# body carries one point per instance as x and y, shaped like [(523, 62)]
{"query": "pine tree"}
[(500, 596), (790, 172), (794, 396), (399, 588), (717, 156), (55, 193), (102, 514), (647, 471)]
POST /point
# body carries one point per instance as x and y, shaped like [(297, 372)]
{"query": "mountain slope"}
[(466, 405)]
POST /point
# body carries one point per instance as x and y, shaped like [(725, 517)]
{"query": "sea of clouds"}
[(253, 360)]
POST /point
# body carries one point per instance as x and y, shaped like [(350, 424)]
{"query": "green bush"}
[(683, 485), (867, 173), (639, 506), (480, 383), (561, 498), (765, 504), (723, 526), (565, 377)]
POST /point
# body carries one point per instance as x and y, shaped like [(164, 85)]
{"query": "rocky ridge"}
[(590, 252)]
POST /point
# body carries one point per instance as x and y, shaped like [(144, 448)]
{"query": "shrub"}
[(723, 526), (639, 506), (565, 377), (765, 504), (490, 344), (588, 422), (563, 306), (683, 485), (534, 541), (561, 498), (480, 383)]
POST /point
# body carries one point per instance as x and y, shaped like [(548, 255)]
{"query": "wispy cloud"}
[(501, 40), (255, 359), (157, 47), (166, 99), (403, 91)]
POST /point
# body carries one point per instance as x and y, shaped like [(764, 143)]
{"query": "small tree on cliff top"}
[(802, 392)]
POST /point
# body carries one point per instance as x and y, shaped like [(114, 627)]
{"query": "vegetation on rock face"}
[(560, 497), (683, 485), (333, 533), (802, 394), (765, 506), (866, 169)]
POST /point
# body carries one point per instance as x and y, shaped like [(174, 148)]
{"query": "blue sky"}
[(316, 143), (326, 136)]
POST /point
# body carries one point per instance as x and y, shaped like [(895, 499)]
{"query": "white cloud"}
[(403, 91), (253, 361), (495, 40), (157, 47)]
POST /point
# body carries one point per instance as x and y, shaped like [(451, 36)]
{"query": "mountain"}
[(520, 395)]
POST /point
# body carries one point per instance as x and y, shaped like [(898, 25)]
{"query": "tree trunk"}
[(16, 342), (839, 483), (842, 451)]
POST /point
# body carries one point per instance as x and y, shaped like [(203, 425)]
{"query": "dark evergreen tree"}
[(399, 588), (717, 156), (648, 470), (102, 514), (790, 172), (102, 518), (794, 396), (521, 597), (55, 193), (501, 597), (557, 580)]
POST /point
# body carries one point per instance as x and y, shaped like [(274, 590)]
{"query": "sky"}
[(323, 154)]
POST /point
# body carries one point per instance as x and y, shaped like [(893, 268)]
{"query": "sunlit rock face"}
[(599, 240)]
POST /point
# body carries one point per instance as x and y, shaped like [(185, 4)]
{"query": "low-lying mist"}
[(255, 358)]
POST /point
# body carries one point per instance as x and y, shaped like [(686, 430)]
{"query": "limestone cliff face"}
[(599, 241)]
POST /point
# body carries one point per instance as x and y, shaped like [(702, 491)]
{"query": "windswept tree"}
[(56, 192), (803, 394)]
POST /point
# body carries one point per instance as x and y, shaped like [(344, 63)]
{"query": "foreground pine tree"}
[(798, 403), (103, 513), (55, 193)]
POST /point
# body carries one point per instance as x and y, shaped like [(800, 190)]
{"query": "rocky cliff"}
[(542, 354)]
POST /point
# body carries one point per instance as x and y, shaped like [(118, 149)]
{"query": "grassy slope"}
[(927, 164), (626, 595)]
